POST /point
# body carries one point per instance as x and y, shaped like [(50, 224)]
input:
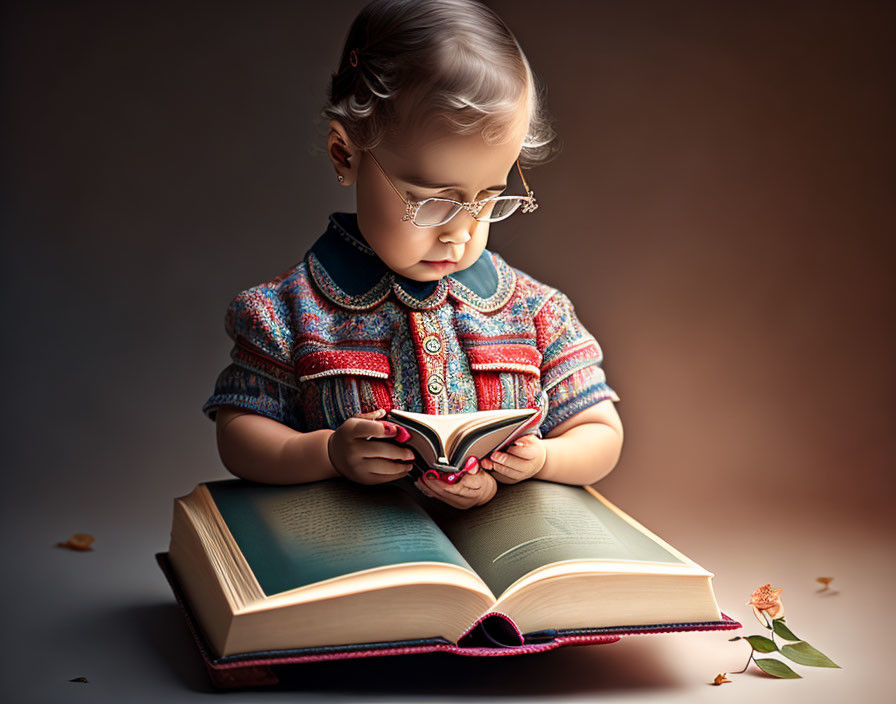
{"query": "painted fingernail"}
[(470, 463), (402, 434), (391, 428)]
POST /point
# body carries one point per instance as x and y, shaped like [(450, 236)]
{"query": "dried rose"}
[(79, 541), (766, 600), (720, 679)]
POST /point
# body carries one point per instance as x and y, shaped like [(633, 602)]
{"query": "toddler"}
[(433, 113)]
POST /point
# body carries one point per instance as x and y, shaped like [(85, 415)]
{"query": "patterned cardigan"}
[(339, 334)]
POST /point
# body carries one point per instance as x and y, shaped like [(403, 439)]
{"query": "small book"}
[(282, 574), (445, 442)]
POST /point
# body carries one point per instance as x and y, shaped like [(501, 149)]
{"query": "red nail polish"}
[(401, 434), (470, 463)]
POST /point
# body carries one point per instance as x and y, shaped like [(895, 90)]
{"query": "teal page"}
[(297, 535), (534, 523)]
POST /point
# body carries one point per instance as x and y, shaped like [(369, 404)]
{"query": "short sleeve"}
[(261, 377), (571, 371)]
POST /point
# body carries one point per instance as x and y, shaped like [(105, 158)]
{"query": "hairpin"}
[(353, 58)]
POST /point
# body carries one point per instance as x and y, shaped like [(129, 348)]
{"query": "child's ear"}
[(343, 154)]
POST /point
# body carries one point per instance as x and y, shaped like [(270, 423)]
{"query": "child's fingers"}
[(387, 468), (449, 497), (423, 488), (368, 428), (503, 479), (503, 460), (526, 452), (371, 415), (468, 486), (377, 449)]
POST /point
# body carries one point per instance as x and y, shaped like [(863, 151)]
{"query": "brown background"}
[(721, 214)]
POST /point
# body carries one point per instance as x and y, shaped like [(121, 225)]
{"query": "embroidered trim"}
[(436, 298), (248, 347), (333, 372), (549, 293), (502, 294), (504, 367), (430, 367), (271, 373), (322, 363), (505, 356), (576, 349), (576, 367), (376, 295)]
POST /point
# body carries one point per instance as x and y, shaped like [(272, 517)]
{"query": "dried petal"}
[(720, 679), (825, 581), (79, 541)]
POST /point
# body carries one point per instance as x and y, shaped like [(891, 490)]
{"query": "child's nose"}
[(457, 236)]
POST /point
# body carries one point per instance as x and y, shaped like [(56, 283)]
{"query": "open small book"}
[(331, 563), (444, 442)]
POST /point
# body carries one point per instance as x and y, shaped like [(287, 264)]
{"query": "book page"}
[(293, 536), (535, 523)]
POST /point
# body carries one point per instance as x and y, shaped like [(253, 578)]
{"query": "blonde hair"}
[(411, 61)]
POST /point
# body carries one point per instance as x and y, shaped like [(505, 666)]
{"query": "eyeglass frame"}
[(527, 202)]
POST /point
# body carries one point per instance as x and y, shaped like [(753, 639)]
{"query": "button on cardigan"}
[(339, 333)]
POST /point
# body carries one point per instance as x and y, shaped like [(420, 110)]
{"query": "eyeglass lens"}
[(437, 211)]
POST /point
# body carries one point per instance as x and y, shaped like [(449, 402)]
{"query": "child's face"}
[(427, 163)]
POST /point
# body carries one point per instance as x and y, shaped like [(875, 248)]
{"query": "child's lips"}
[(442, 264)]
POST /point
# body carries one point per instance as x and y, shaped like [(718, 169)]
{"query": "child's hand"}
[(522, 459), (368, 461), (474, 489)]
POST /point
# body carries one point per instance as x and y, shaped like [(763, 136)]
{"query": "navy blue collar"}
[(350, 274)]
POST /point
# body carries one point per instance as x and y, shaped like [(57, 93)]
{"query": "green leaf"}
[(805, 654), (776, 668), (733, 639), (782, 630), (761, 644)]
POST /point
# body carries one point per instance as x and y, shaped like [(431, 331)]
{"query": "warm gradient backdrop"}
[(721, 215)]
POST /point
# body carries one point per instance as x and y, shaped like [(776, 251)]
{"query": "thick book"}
[(443, 443), (273, 574)]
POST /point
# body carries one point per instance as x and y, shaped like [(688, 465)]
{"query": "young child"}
[(432, 112)]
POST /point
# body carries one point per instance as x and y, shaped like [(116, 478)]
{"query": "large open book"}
[(267, 568)]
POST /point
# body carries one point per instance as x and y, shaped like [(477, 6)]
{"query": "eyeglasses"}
[(433, 212)]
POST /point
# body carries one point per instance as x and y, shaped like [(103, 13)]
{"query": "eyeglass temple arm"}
[(525, 183), (404, 200)]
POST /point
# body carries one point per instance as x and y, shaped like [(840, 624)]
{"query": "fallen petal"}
[(720, 679), (79, 541)]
